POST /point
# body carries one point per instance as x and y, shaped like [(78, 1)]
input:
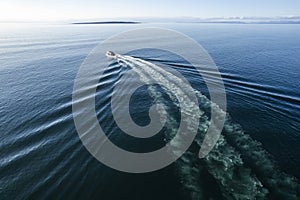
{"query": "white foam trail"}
[(150, 74), (256, 179)]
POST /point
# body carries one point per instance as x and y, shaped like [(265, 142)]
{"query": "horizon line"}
[(161, 19)]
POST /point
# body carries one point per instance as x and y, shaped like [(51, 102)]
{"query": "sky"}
[(56, 10)]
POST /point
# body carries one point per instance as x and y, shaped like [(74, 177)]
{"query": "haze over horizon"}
[(54, 10)]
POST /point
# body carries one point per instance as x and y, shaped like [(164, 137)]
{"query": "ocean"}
[(42, 156)]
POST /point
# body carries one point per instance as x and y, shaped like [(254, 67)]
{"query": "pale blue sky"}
[(98, 9)]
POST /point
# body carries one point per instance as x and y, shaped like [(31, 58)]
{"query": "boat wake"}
[(237, 166)]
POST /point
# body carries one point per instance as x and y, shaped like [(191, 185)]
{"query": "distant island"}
[(109, 22), (223, 20)]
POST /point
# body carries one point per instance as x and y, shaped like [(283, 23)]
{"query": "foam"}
[(238, 164)]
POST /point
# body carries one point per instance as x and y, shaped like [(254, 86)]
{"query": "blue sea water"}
[(43, 157)]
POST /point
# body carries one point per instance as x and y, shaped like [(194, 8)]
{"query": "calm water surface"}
[(41, 155)]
